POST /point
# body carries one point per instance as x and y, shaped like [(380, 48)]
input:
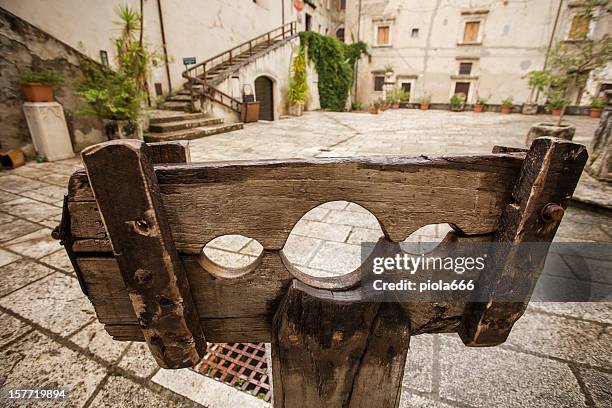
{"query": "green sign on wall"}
[(189, 60)]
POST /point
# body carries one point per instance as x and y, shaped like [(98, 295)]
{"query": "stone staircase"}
[(174, 124)]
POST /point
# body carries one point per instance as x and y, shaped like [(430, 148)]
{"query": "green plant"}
[(119, 94), (298, 84), (557, 100), (388, 68), (456, 100), (377, 104), (399, 94), (537, 81), (597, 103), (334, 62), (44, 76), (426, 98), (507, 102), (480, 100), (356, 106)]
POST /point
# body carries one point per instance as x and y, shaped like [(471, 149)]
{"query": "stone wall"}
[(23, 45)]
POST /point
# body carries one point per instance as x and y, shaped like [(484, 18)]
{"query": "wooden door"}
[(263, 94)]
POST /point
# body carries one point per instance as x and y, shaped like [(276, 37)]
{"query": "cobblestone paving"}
[(559, 355)]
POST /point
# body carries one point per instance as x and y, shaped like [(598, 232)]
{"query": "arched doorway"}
[(264, 95)]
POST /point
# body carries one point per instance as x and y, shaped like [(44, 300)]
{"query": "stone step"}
[(184, 124), (176, 106), (179, 98), (194, 133), (163, 116), (184, 92)]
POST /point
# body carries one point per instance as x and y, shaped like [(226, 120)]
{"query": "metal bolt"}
[(552, 212)]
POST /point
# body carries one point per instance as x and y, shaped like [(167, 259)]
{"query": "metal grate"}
[(244, 366)]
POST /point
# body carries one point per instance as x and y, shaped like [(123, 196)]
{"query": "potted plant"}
[(556, 103), (457, 102), (480, 104), (383, 105), (374, 107), (506, 105), (536, 81), (424, 101), (356, 107), (398, 95), (117, 96), (298, 84), (38, 85), (597, 105), (388, 70)]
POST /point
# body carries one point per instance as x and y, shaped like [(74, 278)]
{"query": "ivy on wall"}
[(334, 62)]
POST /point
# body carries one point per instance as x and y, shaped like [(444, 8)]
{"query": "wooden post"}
[(545, 185), (332, 349), (124, 184)]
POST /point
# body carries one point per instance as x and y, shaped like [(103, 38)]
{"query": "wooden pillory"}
[(136, 221)]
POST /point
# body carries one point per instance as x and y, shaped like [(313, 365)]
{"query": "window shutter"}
[(470, 35)]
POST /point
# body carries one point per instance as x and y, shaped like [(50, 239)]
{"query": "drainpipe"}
[(358, 39), (163, 35), (283, 11), (550, 43)]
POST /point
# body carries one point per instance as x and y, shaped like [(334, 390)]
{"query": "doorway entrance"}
[(263, 94)]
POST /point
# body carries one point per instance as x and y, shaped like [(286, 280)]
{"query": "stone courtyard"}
[(558, 355)]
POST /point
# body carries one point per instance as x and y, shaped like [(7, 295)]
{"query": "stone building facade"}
[(477, 47)]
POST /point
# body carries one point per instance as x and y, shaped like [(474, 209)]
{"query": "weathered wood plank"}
[(170, 152), (548, 178), (267, 198), (317, 345), (133, 215)]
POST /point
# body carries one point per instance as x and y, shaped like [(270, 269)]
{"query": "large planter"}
[(478, 108), (424, 106), (122, 129), (37, 92), (506, 109), (250, 112), (595, 113), (296, 109), (548, 129), (529, 109), (555, 112)]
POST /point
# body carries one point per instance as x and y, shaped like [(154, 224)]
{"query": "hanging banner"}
[(298, 4)]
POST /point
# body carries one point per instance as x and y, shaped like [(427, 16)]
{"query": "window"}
[(340, 34), (465, 68), (579, 28), (415, 33), (406, 86), (462, 87), (342, 4), (382, 35), (379, 82), (470, 33), (308, 22)]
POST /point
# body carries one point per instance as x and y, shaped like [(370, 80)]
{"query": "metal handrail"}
[(191, 74)]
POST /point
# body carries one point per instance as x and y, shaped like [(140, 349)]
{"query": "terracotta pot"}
[(373, 110), (383, 108), (424, 106), (506, 109), (556, 111), (37, 92), (478, 108), (596, 112), (395, 106)]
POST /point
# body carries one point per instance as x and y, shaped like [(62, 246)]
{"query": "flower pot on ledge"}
[(38, 92), (506, 109), (373, 110), (556, 112), (478, 108), (424, 106), (596, 113)]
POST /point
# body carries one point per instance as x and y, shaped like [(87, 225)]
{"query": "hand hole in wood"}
[(324, 247), (230, 256)]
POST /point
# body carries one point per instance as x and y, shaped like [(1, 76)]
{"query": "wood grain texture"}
[(269, 197), (549, 175), (170, 152), (133, 215)]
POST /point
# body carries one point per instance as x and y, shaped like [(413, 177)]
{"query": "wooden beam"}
[(125, 186), (546, 183)]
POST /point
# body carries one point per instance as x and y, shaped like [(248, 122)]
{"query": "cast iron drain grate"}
[(244, 366)]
